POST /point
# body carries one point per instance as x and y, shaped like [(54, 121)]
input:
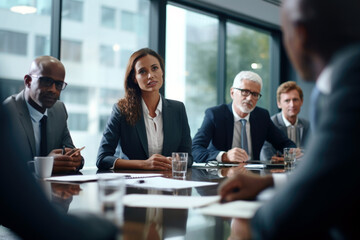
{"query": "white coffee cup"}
[(43, 166)]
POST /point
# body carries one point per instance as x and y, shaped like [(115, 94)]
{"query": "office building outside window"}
[(22, 38), (108, 17), (191, 60), (95, 50)]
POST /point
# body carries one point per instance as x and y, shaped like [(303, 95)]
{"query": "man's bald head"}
[(47, 65), (38, 92)]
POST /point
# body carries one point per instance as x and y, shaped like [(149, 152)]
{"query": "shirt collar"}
[(287, 123), (237, 117), (35, 115), (323, 82), (146, 110)]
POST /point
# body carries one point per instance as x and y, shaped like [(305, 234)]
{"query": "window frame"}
[(157, 38)]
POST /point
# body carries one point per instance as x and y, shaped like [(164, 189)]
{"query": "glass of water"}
[(111, 192), (289, 158), (179, 162)]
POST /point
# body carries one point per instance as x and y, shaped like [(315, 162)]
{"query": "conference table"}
[(160, 223)]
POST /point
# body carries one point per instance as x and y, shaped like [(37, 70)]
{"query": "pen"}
[(77, 151), (63, 150)]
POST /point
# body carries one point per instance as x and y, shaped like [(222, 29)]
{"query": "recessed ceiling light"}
[(23, 9)]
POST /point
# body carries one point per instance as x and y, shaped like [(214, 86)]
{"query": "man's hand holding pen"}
[(67, 159)]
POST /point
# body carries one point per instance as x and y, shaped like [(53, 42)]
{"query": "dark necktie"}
[(43, 140), (244, 143)]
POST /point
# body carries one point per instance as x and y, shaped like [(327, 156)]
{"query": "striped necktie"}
[(244, 143)]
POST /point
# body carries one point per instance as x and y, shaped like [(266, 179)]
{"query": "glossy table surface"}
[(148, 223)]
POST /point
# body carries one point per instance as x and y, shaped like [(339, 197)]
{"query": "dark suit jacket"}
[(25, 209), (57, 130), (323, 194), (216, 133), (268, 150), (121, 140)]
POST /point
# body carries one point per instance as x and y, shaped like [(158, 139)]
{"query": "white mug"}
[(43, 166)]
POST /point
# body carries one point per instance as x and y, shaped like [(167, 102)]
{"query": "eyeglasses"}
[(246, 92), (48, 82)]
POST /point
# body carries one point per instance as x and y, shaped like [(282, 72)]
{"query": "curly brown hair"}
[(130, 105)]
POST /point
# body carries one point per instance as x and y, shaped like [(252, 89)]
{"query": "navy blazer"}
[(268, 150), (217, 129), (121, 140)]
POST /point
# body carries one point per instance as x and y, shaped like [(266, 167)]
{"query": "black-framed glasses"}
[(48, 82), (247, 92)]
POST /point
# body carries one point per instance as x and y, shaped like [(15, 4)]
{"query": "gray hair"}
[(248, 75)]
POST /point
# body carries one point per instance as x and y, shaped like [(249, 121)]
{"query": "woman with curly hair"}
[(144, 127)]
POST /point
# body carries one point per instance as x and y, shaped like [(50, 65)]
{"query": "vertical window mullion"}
[(55, 31), (157, 31), (221, 63)]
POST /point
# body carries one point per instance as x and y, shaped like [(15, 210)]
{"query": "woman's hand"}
[(158, 162)]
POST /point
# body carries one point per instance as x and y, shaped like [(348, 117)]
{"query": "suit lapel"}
[(229, 119), (281, 123), (140, 128), (25, 120), (166, 116)]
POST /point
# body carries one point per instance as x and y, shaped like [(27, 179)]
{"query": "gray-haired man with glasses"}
[(236, 132), (40, 119)]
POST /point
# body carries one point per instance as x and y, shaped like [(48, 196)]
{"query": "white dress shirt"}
[(291, 130), (36, 116), (154, 128), (237, 134)]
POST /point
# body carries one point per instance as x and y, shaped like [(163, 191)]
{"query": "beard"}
[(245, 106)]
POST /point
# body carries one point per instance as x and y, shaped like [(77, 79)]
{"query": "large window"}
[(13, 42), (191, 60), (108, 17), (98, 36), (95, 51), (22, 38), (248, 50)]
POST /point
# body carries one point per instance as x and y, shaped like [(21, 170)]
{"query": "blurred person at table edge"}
[(41, 118), (289, 99), (236, 132), (144, 127), (326, 49)]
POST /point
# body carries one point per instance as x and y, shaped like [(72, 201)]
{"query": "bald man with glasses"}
[(236, 132), (40, 118)]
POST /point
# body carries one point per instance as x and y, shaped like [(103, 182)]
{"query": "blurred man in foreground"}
[(321, 199), (24, 207)]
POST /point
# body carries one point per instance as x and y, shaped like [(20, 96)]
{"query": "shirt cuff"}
[(113, 166), (219, 156), (280, 179)]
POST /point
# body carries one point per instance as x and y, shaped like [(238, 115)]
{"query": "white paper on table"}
[(95, 177), (236, 209), (165, 183), (168, 201)]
